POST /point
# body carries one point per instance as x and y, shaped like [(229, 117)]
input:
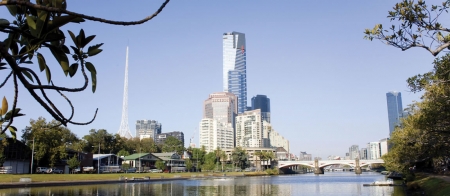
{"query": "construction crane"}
[(192, 139)]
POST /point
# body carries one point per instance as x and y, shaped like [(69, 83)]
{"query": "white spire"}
[(124, 130)]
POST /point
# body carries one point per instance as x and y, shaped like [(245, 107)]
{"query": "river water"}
[(331, 183)]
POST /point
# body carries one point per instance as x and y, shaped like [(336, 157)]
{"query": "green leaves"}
[(73, 69), (61, 57), (94, 50), (13, 131), (10, 114), (91, 68)]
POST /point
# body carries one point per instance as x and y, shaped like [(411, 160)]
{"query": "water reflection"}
[(309, 184)]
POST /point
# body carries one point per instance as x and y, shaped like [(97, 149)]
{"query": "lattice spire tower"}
[(124, 130)]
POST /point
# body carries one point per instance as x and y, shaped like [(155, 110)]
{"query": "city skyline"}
[(324, 88)]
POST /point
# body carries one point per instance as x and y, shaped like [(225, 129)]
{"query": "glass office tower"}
[(395, 109), (234, 67)]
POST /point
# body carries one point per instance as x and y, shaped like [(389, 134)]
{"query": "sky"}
[(327, 85)]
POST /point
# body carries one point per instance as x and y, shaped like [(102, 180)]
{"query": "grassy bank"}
[(13, 178), (430, 185)]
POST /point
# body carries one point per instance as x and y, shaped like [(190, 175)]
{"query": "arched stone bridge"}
[(319, 165)]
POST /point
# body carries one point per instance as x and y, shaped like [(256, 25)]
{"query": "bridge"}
[(319, 165)]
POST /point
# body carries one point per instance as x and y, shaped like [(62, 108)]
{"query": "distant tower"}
[(124, 130), (395, 109)]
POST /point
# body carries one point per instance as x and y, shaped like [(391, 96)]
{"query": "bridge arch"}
[(294, 164)]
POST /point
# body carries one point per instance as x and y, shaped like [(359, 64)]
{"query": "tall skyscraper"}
[(263, 103), (124, 130), (217, 126), (234, 67), (395, 109), (148, 129)]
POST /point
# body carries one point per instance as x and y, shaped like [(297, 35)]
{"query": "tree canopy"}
[(416, 24), (35, 27)]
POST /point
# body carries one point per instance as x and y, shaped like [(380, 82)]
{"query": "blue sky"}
[(327, 84)]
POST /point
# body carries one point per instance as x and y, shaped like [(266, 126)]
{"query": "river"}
[(331, 183)]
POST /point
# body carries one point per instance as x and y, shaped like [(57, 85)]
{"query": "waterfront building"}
[(363, 153), (249, 129), (263, 103), (148, 129), (217, 128), (395, 109), (161, 138), (354, 152), (373, 150), (384, 146), (234, 67)]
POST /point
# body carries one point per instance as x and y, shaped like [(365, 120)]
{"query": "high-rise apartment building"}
[(161, 138), (353, 152), (395, 109), (363, 153), (384, 146), (217, 128), (249, 129), (234, 67), (263, 103), (373, 150), (147, 129)]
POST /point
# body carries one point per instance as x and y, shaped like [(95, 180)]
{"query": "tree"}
[(35, 27), (50, 140), (260, 155), (422, 139), (270, 156), (188, 164), (125, 167), (3, 144), (223, 158), (198, 155), (123, 152), (148, 145), (160, 165), (240, 157), (172, 144), (209, 161), (419, 27), (73, 163)]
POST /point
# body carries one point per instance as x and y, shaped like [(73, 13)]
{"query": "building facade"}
[(277, 140), (363, 154), (234, 67), (263, 103), (161, 138), (148, 129), (249, 129), (395, 109), (217, 128), (373, 150), (384, 146), (353, 152)]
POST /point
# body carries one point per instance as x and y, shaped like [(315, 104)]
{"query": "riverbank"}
[(39, 180), (428, 184)]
